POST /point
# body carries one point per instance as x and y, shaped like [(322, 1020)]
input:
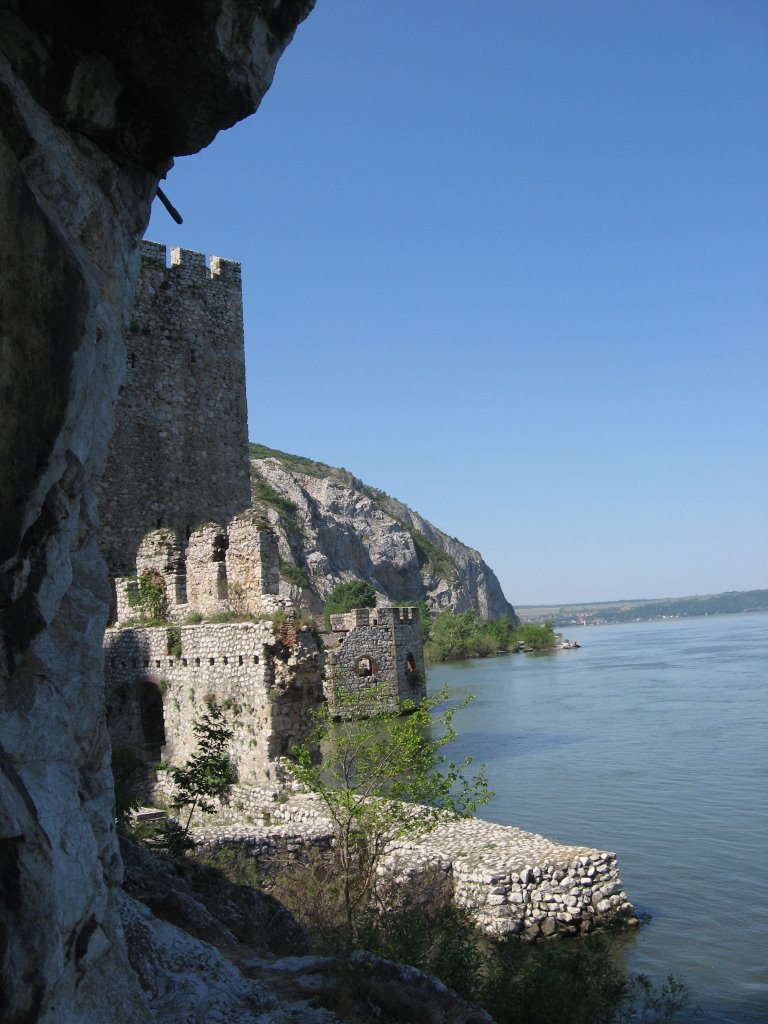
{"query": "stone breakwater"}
[(512, 882)]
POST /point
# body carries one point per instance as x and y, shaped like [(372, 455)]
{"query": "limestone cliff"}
[(332, 527), (95, 100)]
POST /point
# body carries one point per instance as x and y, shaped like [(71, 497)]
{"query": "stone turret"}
[(373, 648)]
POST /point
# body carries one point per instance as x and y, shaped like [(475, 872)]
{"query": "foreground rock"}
[(92, 113), (206, 951)]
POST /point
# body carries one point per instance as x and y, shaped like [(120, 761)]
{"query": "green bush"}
[(538, 638), (174, 641), (452, 636), (150, 597), (346, 596)]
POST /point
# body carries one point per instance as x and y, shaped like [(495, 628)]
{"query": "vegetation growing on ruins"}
[(346, 596), (208, 774), (150, 597), (377, 766)]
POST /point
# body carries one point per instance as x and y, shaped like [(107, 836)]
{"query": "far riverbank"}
[(735, 602)]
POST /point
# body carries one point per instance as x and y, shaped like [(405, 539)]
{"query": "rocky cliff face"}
[(332, 527), (94, 102)]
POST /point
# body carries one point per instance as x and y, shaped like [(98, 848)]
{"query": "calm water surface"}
[(650, 740)]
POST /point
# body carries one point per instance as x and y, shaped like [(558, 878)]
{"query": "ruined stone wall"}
[(158, 680), (378, 648), (179, 455), (219, 570), (510, 881)]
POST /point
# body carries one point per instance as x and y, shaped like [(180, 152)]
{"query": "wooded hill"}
[(729, 603)]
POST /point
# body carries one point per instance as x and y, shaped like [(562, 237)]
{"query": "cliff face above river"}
[(332, 527)]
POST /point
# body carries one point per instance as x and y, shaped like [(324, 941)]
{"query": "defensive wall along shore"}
[(175, 505), (512, 882)]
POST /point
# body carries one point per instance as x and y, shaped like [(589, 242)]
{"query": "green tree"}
[(209, 773), (452, 636), (382, 778), (346, 596), (539, 638)]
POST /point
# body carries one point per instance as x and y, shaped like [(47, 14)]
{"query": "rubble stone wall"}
[(267, 686), (378, 647), (513, 882), (179, 455)]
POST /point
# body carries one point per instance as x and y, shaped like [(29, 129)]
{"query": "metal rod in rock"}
[(169, 206)]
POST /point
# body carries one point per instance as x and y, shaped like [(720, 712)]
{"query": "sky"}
[(508, 262)]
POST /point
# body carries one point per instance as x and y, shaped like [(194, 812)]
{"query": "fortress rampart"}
[(158, 680), (179, 455)]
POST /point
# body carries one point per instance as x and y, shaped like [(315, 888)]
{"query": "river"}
[(652, 741)]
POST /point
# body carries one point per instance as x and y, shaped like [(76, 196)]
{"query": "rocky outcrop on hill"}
[(331, 527), (95, 100)]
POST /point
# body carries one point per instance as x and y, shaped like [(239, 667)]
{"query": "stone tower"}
[(179, 455)]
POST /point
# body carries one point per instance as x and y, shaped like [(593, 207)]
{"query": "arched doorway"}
[(152, 719)]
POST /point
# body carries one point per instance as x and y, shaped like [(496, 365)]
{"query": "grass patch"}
[(296, 575)]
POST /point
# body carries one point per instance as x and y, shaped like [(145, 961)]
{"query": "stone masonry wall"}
[(512, 882), (179, 455), (220, 569), (379, 647), (158, 679)]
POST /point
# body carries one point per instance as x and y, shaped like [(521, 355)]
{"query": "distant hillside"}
[(641, 611), (331, 527)]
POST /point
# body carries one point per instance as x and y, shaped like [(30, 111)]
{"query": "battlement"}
[(398, 616), (188, 263), (346, 621)]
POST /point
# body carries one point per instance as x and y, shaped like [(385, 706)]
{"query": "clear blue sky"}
[(509, 263)]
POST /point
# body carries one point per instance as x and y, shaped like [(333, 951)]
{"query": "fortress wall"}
[(158, 680), (512, 882), (179, 455)]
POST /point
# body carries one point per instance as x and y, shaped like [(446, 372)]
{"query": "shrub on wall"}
[(151, 599), (346, 596)]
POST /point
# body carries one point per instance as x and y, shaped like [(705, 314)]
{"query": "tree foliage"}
[(346, 596), (209, 773), (451, 636), (382, 778)]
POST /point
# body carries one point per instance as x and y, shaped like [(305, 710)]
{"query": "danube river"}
[(652, 741)]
